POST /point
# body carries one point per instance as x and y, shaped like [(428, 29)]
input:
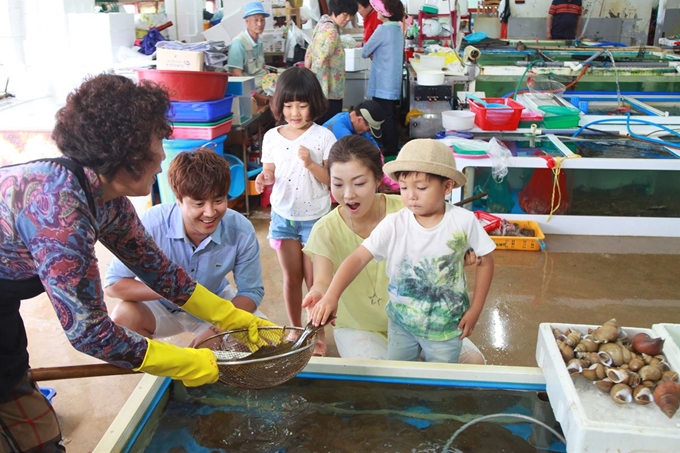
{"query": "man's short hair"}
[(201, 174)]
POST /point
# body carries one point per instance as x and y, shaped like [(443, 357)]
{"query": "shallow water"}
[(622, 149), (306, 415)]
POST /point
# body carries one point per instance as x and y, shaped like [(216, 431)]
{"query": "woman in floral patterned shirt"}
[(52, 212), (326, 56)]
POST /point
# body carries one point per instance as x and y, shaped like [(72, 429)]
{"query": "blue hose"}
[(632, 134)]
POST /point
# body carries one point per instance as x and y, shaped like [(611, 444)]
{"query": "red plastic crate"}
[(497, 119), (180, 130), (489, 222)]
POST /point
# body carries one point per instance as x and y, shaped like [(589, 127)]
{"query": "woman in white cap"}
[(246, 53), (361, 326)]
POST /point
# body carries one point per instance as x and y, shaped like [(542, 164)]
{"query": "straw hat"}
[(427, 156)]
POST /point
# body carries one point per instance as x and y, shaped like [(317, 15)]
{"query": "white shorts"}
[(172, 320), (364, 344)]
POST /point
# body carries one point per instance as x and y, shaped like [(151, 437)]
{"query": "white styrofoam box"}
[(85, 23), (187, 17), (590, 420), (11, 23), (9, 4), (79, 6), (11, 51), (42, 26), (44, 53), (356, 64), (671, 333), (352, 54)]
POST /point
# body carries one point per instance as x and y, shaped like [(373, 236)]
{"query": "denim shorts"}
[(281, 228), (403, 345)]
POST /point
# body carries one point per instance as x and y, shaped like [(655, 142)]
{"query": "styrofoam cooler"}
[(172, 148), (671, 347), (579, 411)]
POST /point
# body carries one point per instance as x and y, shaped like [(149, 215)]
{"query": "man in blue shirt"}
[(365, 120), (366, 117), (201, 235)]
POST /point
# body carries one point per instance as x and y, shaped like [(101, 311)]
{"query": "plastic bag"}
[(296, 43), (498, 199), (542, 195), (501, 158)]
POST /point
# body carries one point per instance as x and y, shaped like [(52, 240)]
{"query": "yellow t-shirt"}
[(333, 239)]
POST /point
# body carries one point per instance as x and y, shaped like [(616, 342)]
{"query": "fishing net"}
[(270, 365)]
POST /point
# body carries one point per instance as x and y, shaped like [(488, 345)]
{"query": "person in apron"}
[(246, 52), (52, 212)]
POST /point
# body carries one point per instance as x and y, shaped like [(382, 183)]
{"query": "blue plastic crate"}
[(201, 111), (172, 148)]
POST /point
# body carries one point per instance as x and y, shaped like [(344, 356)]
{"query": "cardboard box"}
[(590, 420), (179, 60)]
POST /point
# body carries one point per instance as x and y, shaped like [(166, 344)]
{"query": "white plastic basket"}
[(590, 420)]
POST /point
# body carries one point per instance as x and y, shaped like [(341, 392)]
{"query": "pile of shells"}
[(628, 369)]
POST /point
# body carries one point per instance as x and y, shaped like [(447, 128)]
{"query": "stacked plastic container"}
[(196, 124)]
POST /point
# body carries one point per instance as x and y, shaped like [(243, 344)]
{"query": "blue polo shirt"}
[(233, 247), (341, 126)]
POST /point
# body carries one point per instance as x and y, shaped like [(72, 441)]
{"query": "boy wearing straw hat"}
[(424, 245)]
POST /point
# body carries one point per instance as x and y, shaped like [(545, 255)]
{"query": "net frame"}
[(232, 349)]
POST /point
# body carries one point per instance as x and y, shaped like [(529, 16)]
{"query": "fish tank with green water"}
[(344, 405), (592, 178)]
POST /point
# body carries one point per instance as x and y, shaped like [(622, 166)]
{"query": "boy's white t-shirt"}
[(297, 194), (426, 269)]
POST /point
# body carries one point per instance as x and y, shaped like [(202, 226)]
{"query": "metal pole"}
[(660, 18)]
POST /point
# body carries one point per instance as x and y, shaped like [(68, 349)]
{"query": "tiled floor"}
[(579, 279)]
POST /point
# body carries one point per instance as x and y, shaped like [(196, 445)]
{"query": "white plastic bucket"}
[(458, 120)]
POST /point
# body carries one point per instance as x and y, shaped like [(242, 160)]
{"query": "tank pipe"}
[(487, 417), (636, 121)]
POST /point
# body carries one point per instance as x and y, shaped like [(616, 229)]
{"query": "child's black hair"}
[(301, 85)]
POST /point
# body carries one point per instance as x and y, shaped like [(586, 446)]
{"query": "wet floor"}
[(577, 280)]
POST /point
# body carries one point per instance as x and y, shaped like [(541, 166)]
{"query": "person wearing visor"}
[(365, 120), (246, 52)]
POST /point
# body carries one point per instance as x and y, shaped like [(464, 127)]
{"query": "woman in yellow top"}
[(361, 326)]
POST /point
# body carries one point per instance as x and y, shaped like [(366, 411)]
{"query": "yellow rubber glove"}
[(194, 367), (222, 313)]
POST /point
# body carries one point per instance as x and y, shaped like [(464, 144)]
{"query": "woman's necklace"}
[(374, 299)]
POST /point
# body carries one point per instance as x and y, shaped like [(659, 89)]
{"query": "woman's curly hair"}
[(108, 122)]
